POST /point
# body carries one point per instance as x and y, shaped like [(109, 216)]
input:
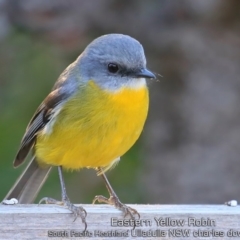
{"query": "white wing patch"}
[(48, 127)]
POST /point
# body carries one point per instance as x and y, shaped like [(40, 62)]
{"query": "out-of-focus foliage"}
[(189, 150)]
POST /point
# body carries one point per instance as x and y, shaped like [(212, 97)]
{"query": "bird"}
[(93, 115)]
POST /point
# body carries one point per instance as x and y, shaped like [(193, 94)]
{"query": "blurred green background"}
[(189, 150)]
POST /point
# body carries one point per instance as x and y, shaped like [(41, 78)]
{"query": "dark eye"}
[(112, 67)]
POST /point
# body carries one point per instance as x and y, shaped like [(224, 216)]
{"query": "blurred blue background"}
[(189, 150)]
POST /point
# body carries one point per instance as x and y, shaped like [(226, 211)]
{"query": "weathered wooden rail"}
[(106, 222)]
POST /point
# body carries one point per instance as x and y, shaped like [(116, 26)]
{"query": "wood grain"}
[(30, 221)]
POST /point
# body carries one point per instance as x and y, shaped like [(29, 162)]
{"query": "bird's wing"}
[(40, 118)]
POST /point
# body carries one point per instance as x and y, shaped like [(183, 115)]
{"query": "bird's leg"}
[(113, 199), (77, 211)]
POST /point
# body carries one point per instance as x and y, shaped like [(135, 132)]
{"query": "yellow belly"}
[(94, 128)]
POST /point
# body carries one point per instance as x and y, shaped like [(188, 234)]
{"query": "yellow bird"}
[(93, 115)]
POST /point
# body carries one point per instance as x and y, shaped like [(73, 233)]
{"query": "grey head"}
[(113, 61)]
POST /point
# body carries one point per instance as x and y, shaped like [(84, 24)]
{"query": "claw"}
[(77, 211), (113, 200), (131, 211), (85, 228)]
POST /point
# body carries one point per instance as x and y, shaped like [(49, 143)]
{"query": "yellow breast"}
[(94, 128)]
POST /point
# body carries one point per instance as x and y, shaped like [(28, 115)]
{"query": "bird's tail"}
[(29, 183)]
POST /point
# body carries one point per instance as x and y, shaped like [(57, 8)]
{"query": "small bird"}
[(93, 115)]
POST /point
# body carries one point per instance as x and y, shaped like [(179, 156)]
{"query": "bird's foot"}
[(114, 200), (77, 211)]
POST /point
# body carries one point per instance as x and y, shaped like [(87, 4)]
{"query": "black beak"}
[(144, 73)]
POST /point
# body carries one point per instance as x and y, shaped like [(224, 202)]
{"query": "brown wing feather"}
[(41, 117)]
